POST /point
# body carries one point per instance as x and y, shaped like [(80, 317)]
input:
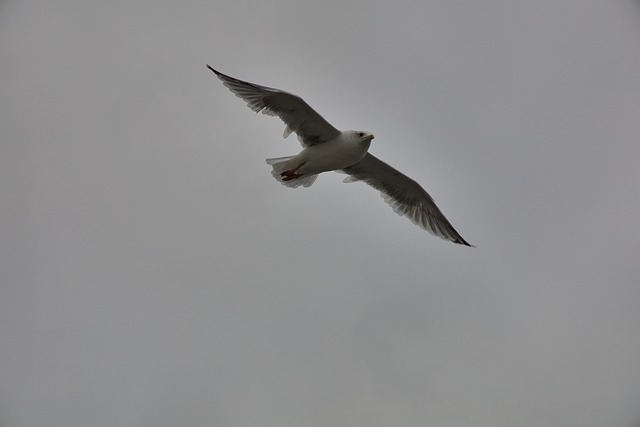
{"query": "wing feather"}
[(297, 115), (405, 196)]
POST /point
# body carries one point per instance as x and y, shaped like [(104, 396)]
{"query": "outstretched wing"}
[(299, 117), (405, 196)]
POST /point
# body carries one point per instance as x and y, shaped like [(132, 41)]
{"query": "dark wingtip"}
[(212, 69), (461, 241)]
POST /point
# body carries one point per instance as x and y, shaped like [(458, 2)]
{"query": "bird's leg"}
[(290, 174)]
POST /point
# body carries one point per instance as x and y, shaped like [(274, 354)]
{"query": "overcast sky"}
[(152, 272)]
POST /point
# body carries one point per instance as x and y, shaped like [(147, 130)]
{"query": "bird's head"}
[(360, 135)]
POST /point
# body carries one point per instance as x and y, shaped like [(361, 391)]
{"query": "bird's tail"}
[(280, 165)]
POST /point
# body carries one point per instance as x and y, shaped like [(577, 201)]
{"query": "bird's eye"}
[(361, 134)]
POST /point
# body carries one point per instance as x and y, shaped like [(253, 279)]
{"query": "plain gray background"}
[(154, 274)]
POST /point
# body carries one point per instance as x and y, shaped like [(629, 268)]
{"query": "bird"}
[(326, 148)]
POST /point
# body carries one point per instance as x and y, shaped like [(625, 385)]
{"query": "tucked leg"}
[(290, 174)]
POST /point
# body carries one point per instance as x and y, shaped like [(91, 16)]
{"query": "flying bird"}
[(326, 148)]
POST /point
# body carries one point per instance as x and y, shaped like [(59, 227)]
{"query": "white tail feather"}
[(279, 165)]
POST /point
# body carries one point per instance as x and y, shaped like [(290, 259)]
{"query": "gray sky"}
[(154, 274)]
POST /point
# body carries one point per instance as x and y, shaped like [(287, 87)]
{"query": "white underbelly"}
[(330, 156)]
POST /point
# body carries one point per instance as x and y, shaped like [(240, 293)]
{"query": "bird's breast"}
[(332, 155)]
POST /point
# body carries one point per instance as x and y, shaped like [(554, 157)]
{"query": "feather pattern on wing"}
[(297, 115), (405, 196)]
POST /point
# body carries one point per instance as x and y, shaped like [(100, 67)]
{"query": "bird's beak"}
[(372, 137)]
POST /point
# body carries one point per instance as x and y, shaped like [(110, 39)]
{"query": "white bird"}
[(328, 149)]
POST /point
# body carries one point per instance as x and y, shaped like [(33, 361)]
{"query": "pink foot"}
[(290, 174)]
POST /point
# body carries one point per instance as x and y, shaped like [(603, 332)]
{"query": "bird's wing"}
[(299, 117), (405, 196)]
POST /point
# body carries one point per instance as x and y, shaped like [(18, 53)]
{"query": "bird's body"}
[(346, 149), (325, 149)]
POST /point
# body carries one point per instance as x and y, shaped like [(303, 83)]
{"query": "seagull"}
[(326, 148)]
